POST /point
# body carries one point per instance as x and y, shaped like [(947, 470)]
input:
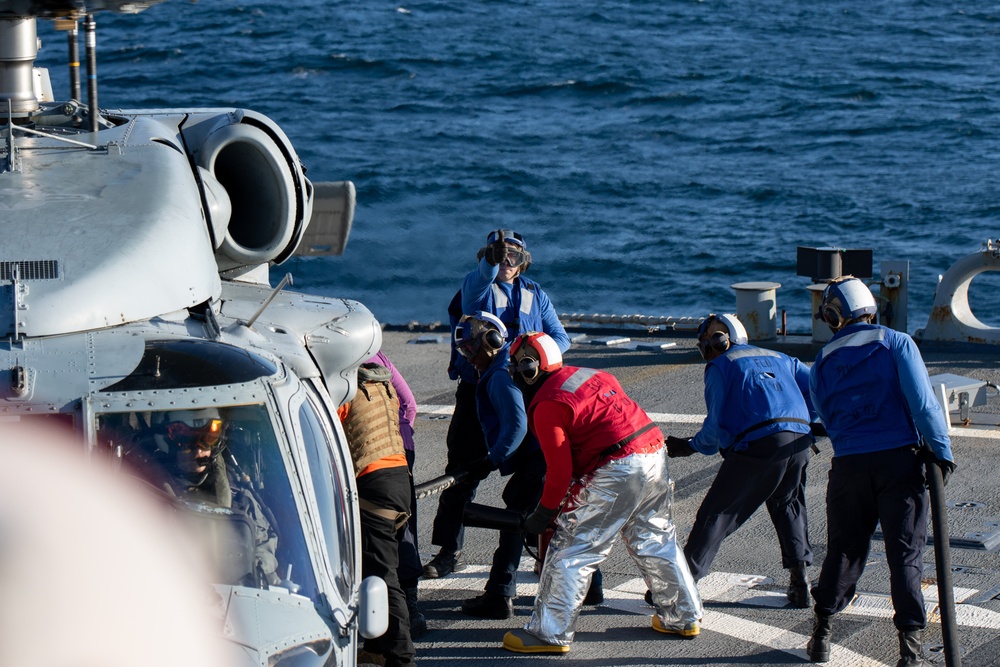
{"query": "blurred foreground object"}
[(92, 571)]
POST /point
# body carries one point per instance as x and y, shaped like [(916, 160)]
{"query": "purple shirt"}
[(407, 404)]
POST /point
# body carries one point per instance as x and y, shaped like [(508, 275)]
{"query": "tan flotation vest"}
[(372, 423)]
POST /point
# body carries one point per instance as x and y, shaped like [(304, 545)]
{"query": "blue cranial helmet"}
[(509, 236), (482, 331)]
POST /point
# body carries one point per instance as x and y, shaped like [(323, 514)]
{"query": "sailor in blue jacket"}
[(758, 419), (481, 339), (873, 394), (497, 286)]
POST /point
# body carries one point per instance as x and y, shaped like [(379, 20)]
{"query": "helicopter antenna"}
[(73, 41), (287, 280), (90, 38)]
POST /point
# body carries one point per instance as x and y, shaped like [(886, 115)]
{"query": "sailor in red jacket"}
[(607, 474)]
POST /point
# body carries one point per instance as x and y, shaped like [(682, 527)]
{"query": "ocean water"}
[(652, 153)]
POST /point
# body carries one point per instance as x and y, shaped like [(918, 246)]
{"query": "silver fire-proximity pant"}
[(631, 496)]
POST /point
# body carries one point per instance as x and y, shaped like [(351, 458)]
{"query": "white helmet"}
[(845, 300), (720, 341)]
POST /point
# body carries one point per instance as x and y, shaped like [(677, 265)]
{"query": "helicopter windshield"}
[(222, 473), (331, 491)]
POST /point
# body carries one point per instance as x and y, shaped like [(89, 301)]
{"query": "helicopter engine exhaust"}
[(271, 198)]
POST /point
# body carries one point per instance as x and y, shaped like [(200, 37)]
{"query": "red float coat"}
[(577, 414)]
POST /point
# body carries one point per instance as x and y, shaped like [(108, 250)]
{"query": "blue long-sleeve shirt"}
[(871, 388), (522, 301), (501, 411), (747, 387)]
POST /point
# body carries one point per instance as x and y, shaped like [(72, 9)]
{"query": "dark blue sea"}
[(651, 152)]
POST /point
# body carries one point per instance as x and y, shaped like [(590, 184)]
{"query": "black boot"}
[(418, 622), (443, 564), (489, 605), (911, 649), (595, 594), (818, 648), (798, 586)]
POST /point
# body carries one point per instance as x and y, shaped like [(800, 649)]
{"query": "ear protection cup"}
[(493, 340), (830, 313), (719, 341), (527, 261)]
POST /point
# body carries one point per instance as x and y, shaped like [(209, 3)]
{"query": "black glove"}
[(495, 252), (947, 467), (818, 429), (678, 446), (539, 520), (478, 470)]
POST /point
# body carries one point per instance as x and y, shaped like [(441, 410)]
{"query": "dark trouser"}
[(388, 488), (770, 470), (521, 494), (466, 442), (409, 569), (867, 489)]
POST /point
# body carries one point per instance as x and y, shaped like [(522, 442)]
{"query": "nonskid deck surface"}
[(746, 621)]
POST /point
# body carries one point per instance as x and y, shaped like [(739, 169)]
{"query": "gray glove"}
[(539, 520)]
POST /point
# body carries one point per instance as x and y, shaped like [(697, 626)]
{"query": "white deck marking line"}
[(740, 589), (983, 432), (659, 417), (628, 598)]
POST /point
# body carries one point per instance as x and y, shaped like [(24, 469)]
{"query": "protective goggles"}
[(195, 437), (514, 257), (468, 349), (465, 343)]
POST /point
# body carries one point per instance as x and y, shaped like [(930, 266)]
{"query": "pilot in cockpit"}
[(197, 466)]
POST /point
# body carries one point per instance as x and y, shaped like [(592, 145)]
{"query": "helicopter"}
[(137, 315)]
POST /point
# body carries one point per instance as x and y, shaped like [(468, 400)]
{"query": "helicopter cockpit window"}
[(179, 364), (331, 496), (221, 472)]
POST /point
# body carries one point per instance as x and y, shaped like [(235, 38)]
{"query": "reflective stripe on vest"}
[(576, 380), (856, 339), (744, 351), (500, 298)]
